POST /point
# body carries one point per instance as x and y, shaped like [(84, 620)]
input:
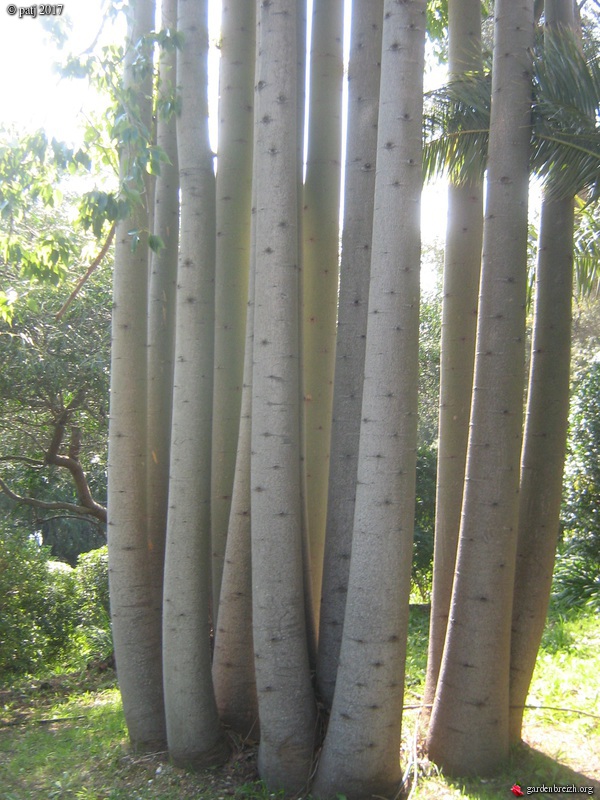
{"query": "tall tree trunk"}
[(193, 730), (469, 724), (546, 427), (320, 253), (234, 190), (281, 653), (360, 755), (136, 628), (462, 266), (544, 448), (161, 316), (233, 662), (363, 106)]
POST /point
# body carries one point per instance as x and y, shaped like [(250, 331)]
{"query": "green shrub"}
[(36, 604), (577, 573), (93, 638)]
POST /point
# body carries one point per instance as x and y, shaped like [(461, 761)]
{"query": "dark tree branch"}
[(98, 513), (87, 505)]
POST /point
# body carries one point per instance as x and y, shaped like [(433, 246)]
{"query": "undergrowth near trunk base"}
[(65, 737)]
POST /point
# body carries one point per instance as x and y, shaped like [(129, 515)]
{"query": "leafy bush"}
[(36, 604), (51, 615), (577, 573), (94, 638)]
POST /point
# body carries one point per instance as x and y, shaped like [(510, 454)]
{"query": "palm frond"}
[(456, 129), (566, 116), (565, 144)]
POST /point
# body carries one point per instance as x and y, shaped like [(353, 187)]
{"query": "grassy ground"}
[(65, 737)]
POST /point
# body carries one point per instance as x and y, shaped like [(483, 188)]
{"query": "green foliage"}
[(429, 379), (587, 247), (69, 537), (37, 243), (37, 605), (577, 573), (422, 564), (430, 332), (52, 369), (565, 141), (437, 28), (93, 639), (51, 616)]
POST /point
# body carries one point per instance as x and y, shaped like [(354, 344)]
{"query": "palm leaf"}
[(456, 129), (566, 122), (565, 142)]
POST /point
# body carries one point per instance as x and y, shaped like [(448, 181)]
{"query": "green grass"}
[(561, 734), (65, 737)]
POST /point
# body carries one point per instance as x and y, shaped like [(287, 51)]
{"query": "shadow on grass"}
[(534, 773)]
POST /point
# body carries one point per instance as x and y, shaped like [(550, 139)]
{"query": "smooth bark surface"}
[(544, 448), (234, 191), (161, 316), (135, 624), (233, 661), (462, 265), (360, 756), (194, 735), (469, 725), (320, 246), (285, 697), (363, 105), (546, 427)]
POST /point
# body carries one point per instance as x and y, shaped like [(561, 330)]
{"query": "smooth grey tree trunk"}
[(360, 756), (462, 265), (285, 696), (320, 273), (233, 661), (161, 317), (136, 627), (194, 734), (469, 724), (363, 106), (544, 448), (234, 200), (546, 426)]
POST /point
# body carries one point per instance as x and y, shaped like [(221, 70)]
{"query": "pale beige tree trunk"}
[(320, 252), (469, 724), (360, 756), (285, 697), (233, 662), (462, 266), (136, 628), (361, 154), (234, 190), (161, 315), (194, 734), (546, 426), (544, 448)]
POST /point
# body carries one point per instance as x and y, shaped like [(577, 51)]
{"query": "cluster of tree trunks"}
[(263, 426)]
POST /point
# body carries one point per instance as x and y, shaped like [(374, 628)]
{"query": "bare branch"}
[(99, 512), (95, 263)]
